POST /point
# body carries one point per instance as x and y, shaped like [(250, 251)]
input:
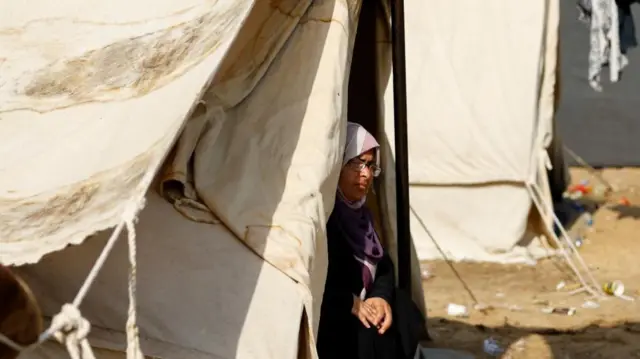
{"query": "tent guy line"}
[(68, 326), (592, 288)]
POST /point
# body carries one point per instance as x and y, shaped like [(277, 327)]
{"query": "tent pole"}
[(400, 124)]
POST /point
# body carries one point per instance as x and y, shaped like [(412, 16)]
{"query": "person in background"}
[(357, 319)]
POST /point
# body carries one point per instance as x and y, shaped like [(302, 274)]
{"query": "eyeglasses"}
[(358, 165)]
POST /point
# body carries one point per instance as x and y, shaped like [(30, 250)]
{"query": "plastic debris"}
[(457, 310), (564, 311), (600, 190), (580, 188), (573, 195), (426, 274), (578, 242), (492, 347), (616, 289), (588, 219), (624, 201), (561, 285), (589, 304), (427, 271)]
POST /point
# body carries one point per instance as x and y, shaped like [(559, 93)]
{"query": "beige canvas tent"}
[(209, 133), (481, 96)]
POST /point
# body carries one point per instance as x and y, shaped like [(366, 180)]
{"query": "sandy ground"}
[(518, 293)]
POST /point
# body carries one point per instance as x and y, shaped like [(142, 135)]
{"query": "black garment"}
[(341, 334), (626, 25)]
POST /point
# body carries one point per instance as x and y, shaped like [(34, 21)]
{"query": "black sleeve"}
[(338, 301), (385, 282), (337, 297)]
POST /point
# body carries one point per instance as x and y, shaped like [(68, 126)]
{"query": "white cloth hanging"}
[(604, 39)]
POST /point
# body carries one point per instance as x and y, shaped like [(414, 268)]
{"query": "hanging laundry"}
[(628, 38), (604, 38)]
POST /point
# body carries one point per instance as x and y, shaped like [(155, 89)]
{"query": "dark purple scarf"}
[(355, 222)]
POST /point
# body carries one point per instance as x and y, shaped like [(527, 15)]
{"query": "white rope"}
[(69, 319), (595, 290), (71, 329), (99, 263), (128, 218), (133, 337), (588, 167)]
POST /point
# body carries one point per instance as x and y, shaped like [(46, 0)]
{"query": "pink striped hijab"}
[(359, 141)]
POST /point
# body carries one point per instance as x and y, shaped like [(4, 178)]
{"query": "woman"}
[(356, 319)]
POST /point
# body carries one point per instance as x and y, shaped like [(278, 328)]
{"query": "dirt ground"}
[(518, 293)]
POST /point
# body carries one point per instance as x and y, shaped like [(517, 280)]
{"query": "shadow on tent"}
[(180, 302), (305, 76), (616, 341)]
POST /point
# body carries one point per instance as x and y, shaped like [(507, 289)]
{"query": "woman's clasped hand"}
[(373, 312)]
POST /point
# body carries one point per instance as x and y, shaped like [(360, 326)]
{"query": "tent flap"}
[(80, 119), (262, 154)]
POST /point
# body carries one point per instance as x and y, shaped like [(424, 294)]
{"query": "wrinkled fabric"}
[(259, 158), (263, 157), (81, 115)]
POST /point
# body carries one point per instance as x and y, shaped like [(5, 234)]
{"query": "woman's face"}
[(355, 179)]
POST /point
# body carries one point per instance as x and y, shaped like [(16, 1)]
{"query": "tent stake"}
[(402, 163)]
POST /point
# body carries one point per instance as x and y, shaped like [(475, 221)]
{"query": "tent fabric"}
[(235, 250), (72, 93), (261, 153), (450, 229), (282, 216), (480, 118), (201, 292), (475, 101)]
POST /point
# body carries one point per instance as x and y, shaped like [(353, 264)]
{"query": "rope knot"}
[(69, 322), (71, 329)]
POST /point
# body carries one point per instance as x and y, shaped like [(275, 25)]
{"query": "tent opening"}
[(363, 99), (369, 84)]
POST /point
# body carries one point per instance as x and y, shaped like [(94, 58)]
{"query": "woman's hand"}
[(365, 312), (383, 317)]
